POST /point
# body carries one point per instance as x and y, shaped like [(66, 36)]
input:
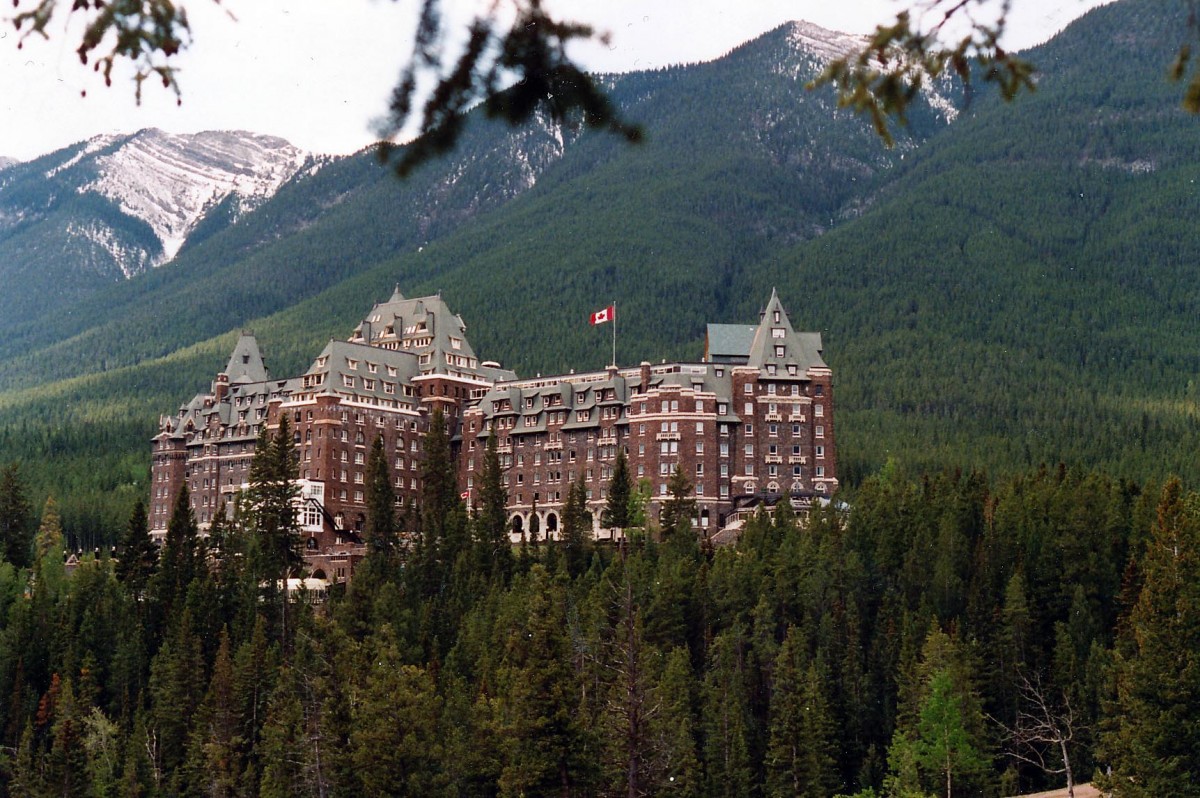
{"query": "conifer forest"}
[(947, 635)]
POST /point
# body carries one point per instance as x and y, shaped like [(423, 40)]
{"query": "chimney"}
[(221, 387)]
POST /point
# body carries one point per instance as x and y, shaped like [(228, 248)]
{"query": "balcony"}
[(773, 458), (774, 417), (801, 460), (665, 436), (797, 417)]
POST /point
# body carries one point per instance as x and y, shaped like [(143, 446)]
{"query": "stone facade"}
[(750, 422)]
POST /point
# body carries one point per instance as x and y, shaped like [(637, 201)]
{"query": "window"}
[(820, 471), (347, 381), (749, 449), (749, 410), (722, 408), (773, 430), (371, 367), (779, 350), (820, 451), (819, 431), (819, 390), (778, 332), (699, 447), (724, 469), (749, 469), (699, 469), (352, 364), (771, 370), (699, 488), (818, 410), (747, 388)]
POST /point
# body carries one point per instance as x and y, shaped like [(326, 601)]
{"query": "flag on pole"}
[(608, 314), (465, 495)]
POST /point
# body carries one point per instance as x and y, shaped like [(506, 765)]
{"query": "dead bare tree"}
[(1044, 730)]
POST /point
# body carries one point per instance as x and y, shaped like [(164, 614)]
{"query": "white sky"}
[(317, 77)]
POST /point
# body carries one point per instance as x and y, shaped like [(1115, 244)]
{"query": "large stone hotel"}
[(751, 422)]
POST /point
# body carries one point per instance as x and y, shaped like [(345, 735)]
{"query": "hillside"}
[(1012, 288)]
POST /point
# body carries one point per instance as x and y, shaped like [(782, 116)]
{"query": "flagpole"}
[(614, 307)]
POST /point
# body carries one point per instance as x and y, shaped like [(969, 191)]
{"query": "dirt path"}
[(1081, 791)]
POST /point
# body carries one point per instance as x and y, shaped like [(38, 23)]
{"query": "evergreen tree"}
[(272, 493), (49, 565), (14, 517), (674, 729), (381, 532), (271, 517), (542, 729), (495, 548), (800, 753), (576, 529), (214, 753), (396, 745), (727, 719), (1153, 742), (136, 555), (177, 563), (679, 509), (620, 489)]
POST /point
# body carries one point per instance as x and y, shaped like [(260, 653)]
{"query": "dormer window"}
[(245, 359), (778, 332), (779, 350), (352, 364), (776, 316), (371, 367)]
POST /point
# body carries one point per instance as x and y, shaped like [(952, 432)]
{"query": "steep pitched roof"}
[(776, 343), (246, 362)]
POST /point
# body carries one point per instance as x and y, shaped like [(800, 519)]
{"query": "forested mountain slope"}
[(1012, 288)]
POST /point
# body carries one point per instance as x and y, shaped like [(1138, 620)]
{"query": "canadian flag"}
[(466, 494), (608, 314)]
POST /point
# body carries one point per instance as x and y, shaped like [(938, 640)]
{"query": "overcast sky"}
[(297, 69)]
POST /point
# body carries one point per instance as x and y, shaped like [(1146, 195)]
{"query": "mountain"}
[(1008, 286), (114, 206)]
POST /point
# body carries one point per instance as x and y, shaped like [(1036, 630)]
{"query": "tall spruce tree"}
[(679, 509), (136, 554), (272, 494), (177, 562), (620, 488), (494, 545), (381, 533), (1153, 743), (576, 529), (14, 517)]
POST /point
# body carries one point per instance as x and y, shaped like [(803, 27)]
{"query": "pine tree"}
[(395, 743), (576, 529), (727, 721), (674, 729), (136, 555), (620, 488), (494, 546), (272, 493), (14, 517), (214, 752), (177, 562), (541, 728), (381, 532), (49, 566), (679, 509), (802, 742), (1153, 742), (271, 517)]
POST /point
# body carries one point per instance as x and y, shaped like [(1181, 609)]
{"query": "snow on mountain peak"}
[(827, 45), (171, 180)]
